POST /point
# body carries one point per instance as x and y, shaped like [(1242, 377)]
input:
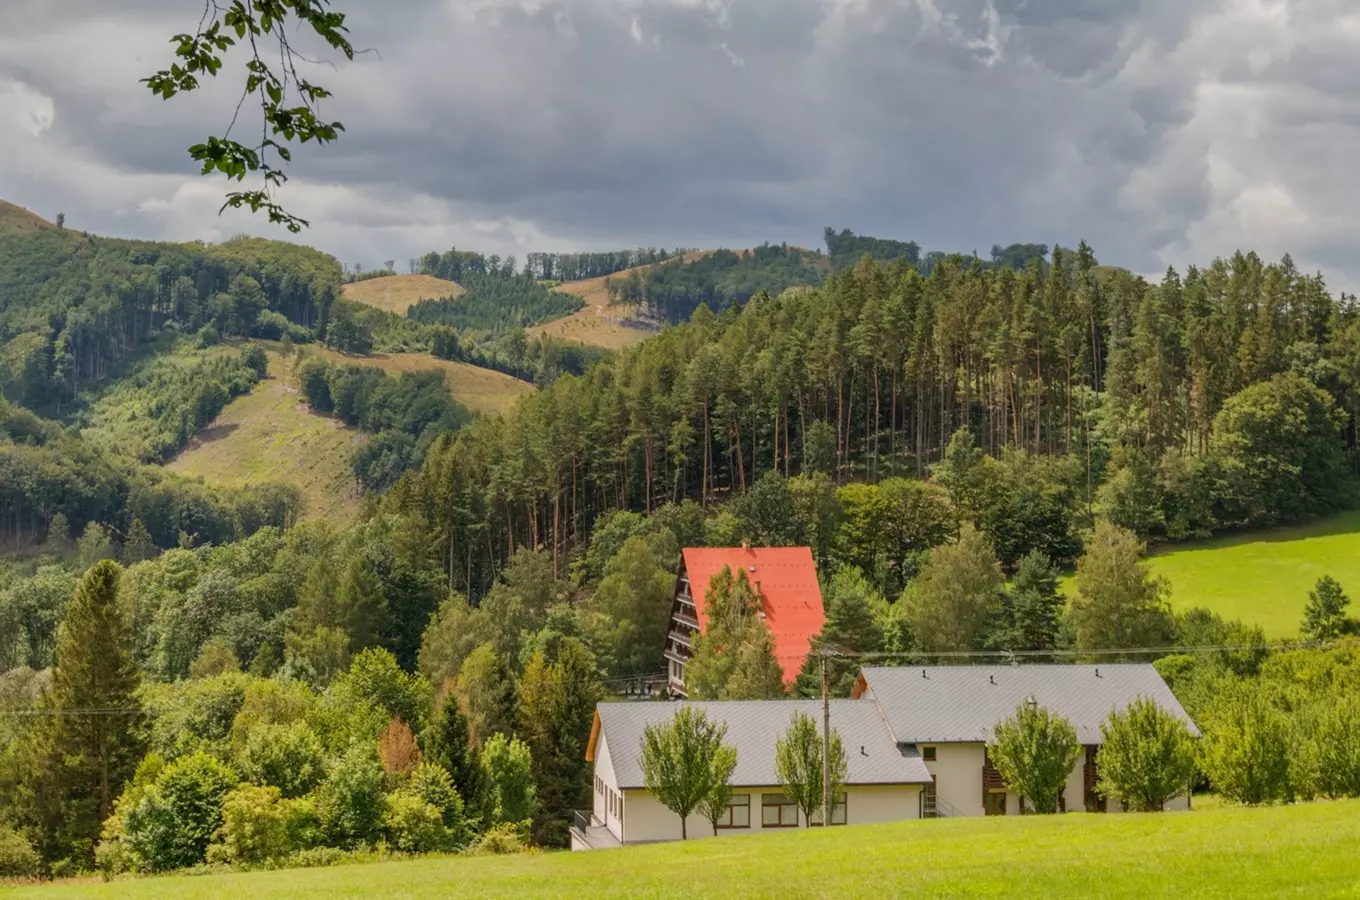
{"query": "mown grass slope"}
[(15, 219), (270, 434), (1264, 577), (480, 390), (599, 324), (398, 293), (1305, 850)]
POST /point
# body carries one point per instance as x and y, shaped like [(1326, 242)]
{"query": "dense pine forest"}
[(193, 676)]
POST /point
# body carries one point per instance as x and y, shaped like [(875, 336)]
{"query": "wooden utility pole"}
[(826, 744)]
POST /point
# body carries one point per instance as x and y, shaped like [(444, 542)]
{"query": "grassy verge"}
[(1306, 850)]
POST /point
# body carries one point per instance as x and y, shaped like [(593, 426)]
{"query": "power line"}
[(1027, 654)]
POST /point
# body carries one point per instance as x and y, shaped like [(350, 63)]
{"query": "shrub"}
[(171, 825), (289, 758), (18, 859), (349, 802), (414, 826), (504, 838), (434, 785), (258, 826), (1147, 757), (507, 773), (1336, 743), (1246, 749)]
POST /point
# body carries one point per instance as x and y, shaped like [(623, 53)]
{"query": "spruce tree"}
[(447, 742), (95, 740)]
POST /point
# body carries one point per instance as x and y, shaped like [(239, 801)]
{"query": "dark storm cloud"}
[(1160, 130)]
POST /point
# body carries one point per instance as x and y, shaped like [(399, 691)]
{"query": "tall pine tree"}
[(95, 737)]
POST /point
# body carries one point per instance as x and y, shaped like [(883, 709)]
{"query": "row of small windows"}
[(776, 811)]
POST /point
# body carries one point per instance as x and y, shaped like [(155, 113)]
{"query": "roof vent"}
[(750, 568), (1097, 671), (862, 751), (924, 675), (992, 679)]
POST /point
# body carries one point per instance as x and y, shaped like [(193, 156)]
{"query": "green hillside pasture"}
[(1264, 577), (1305, 850), (270, 434)]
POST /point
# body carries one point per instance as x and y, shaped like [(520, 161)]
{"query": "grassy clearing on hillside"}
[(16, 218), (1305, 850), (269, 434), (598, 324), (1264, 577), (398, 293), (480, 390)]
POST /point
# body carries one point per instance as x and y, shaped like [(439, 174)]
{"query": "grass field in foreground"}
[(1306, 850), (398, 293), (1264, 577), (270, 434)]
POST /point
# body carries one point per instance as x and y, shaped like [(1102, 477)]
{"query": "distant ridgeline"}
[(461, 265), (672, 292), (847, 248)]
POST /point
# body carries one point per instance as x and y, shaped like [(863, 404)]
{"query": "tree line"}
[(1043, 399)]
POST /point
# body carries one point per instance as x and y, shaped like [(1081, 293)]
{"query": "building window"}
[(738, 814), (928, 754), (994, 803), (778, 811), (837, 812)]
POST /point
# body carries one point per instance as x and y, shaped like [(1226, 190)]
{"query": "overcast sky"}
[(1162, 131)]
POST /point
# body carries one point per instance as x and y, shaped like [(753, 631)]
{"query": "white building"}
[(915, 742), (946, 715), (883, 782)]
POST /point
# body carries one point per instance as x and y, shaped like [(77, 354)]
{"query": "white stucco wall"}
[(958, 778), (604, 770), (646, 819)]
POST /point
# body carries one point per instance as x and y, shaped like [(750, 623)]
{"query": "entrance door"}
[(994, 804)]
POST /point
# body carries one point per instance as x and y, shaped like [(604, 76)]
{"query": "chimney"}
[(745, 545)]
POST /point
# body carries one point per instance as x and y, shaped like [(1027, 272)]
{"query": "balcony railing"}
[(686, 620)]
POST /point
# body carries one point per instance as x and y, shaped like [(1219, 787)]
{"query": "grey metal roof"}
[(753, 727), (963, 703)]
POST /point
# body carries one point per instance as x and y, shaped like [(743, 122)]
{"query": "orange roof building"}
[(785, 578)]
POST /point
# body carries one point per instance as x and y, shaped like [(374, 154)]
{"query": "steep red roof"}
[(786, 578)]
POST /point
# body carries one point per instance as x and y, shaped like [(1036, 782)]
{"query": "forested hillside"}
[(947, 443), (1161, 405)]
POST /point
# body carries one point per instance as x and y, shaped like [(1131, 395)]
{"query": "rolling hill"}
[(15, 219), (398, 293), (480, 390), (270, 434), (1303, 849), (599, 324)]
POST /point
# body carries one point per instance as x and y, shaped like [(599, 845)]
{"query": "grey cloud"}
[(1160, 130)]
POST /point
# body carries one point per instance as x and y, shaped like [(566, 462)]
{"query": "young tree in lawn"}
[(798, 761), (714, 804), (680, 761), (1147, 756), (1324, 618), (1034, 751)]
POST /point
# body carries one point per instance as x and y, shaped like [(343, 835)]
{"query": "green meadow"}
[(1305, 850)]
